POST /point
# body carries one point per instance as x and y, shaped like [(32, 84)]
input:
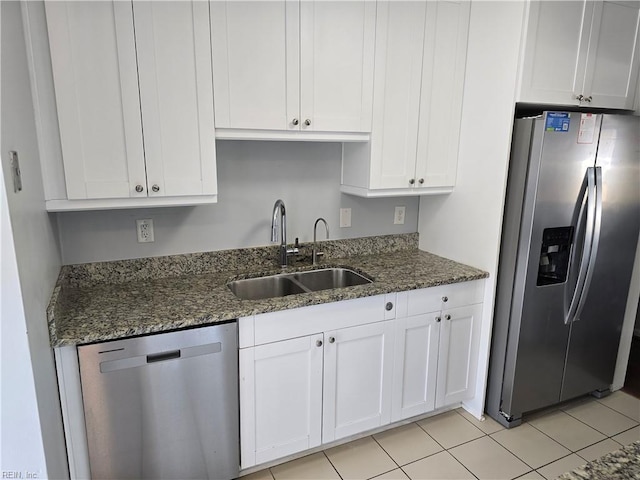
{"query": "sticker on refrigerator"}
[(557, 122), (587, 128)]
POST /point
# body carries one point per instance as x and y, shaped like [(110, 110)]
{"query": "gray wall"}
[(37, 261), (251, 176)]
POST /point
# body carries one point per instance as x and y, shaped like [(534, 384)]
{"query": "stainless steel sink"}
[(290, 284), (325, 279), (265, 287)]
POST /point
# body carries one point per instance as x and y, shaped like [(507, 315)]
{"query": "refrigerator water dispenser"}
[(554, 255)]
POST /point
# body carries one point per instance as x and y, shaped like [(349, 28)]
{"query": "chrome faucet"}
[(314, 253), (280, 211)]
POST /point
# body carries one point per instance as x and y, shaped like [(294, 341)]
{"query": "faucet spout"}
[(280, 219), (314, 251)]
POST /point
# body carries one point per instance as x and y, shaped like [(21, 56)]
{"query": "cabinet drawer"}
[(432, 299), (297, 322)]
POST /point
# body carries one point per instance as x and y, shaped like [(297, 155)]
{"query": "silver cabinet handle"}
[(588, 99), (307, 122), (388, 306), (318, 343), (332, 339), (421, 181), (438, 318), (155, 188), (139, 188), (295, 121), (579, 97), (447, 317), (412, 181), (445, 299)]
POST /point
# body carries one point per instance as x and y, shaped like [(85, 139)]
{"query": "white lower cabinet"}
[(281, 398), (458, 354), (296, 394), (358, 365), (436, 350), (398, 356), (414, 380)]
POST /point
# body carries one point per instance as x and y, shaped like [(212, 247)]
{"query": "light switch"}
[(345, 217)]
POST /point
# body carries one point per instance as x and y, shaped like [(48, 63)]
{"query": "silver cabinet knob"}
[(438, 318), (579, 97), (155, 188), (412, 181), (447, 317), (318, 343), (388, 306), (295, 121), (139, 188), (421, 181), (588, 99), (445, 299), (307, 122), (332, 340)]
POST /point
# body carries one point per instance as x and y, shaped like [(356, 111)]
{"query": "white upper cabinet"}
[(581, 53), (336, 65), (134, 96), (176, 93), (292, 66), (255, 49), (419, 80), (93, 57)]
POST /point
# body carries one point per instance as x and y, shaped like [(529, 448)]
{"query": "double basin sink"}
[(284, 284)]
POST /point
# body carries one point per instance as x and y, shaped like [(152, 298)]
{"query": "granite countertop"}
[(112, 300), (623, 464)]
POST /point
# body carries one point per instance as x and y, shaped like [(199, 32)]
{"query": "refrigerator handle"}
[(595, 242), (590, 181)]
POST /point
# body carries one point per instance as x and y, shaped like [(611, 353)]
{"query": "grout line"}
[(563, 445), (453, 446), (611, 408), (383, 449), (603, 433), (273, 477), (512, 453), (331, 463)]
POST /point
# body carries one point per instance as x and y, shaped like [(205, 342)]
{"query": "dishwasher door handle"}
[(140, 360), (159, 357)]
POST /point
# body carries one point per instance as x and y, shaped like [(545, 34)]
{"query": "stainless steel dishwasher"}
[(163, 406)]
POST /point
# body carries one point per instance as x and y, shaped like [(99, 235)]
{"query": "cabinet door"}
[(93, 56), (614, 55), (176, 91), (396, 98), (281, 399), (458, 354), (445, 55), (556, 51), (358, 364), (256, 64), (337, 42), (415, 365)]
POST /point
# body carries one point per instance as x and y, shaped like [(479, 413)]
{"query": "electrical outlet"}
[(345, 217), (145, 230), (398, 217)]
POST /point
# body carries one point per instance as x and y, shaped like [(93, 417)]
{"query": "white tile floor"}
[(455, 445)]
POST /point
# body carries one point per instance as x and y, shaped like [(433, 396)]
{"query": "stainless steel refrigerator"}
[(570, 232)]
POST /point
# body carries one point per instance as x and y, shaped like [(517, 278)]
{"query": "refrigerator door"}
[(559, 158), (595, 333)]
